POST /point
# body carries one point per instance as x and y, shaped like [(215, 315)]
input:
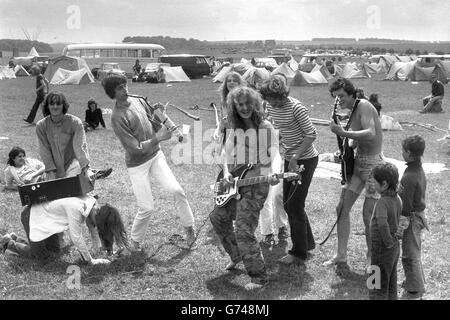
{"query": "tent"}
[(351, 71), (6, 73), (405, 58), (420, 73), (67, 63), (442, 71), (222, 74), (20, 71), (323, 69), (293, 64), (174, 74), (284, 69), (386, 61), (28, 60), (307, 79), (256, 76), (400, 70), (63, 76)]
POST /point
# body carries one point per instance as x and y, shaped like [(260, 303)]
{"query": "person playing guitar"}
[(366, 137), (250, 140)]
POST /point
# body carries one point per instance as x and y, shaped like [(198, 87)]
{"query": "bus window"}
[(106, 53), (156, 53), (200, 60), (89, 53), (74, 53), (146, 53), (120, 52), (428, 60), (132, 53)]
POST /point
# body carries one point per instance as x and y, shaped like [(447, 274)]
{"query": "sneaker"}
[(283, 233), (4, 242), (232, 265), (269, 240), (101, 174), (27, 121), (289, 259), (253, 286), (333, 262)]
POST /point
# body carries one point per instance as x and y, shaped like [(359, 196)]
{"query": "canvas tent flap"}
[(351, 71), (293, 64), (306, 79), (284, 69), (222, 74), (175, 74), (63, 76), (20, 71), (421, 73), (67, 63), (323, 69), (400, 71), (33, 52)]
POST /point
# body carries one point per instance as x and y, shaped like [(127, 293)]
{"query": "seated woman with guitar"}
[(249, 146)]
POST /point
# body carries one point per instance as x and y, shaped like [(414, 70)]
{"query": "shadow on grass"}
[(352, 285)]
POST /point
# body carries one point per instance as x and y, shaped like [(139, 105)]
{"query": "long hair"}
[(275, 87), (342, 83), (111, 82), (223, 89), (92, 101), (15, 151), (110, 227), (253, 98), (54, 97)]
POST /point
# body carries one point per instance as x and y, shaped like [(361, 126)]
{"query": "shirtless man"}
[(366, 137)]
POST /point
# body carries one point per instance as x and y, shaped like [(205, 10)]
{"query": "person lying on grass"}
[(22, 170), (44, 224)]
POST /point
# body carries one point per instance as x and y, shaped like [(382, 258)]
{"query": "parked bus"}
[(125, 54)]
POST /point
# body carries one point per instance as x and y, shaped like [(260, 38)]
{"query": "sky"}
[(77, 21)]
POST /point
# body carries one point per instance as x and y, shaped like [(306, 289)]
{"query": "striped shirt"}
[(293, 122)]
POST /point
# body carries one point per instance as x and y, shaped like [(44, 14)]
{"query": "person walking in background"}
[(93, 116), (383, 228), (41, 90), (297, 133), (412, 191)]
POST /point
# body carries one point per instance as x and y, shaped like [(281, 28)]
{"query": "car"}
[(195, 66), (108, 68), (152, 73)]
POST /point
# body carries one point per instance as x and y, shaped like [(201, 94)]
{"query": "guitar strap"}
[(340, 213)]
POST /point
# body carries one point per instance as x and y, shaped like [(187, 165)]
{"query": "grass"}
[(167, 272)]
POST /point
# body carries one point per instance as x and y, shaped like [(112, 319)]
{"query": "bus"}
[(125, 54)]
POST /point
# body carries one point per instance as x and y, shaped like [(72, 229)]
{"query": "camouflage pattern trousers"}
[(240, 241)]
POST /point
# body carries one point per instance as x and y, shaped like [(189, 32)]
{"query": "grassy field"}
[(167, 272)]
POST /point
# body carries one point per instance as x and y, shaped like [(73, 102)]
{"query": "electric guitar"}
[(346, 153), (225, 192)]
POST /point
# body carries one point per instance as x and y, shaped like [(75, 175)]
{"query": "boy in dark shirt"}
[(412, 192), (93, 116), (41, 90), (385, 249)]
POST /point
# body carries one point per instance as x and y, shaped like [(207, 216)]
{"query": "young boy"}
[(412, 192), (385, 249), (134, 125)]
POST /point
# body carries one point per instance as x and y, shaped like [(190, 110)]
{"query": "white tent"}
[(284, 69), (323, 69), (400, 70), (306, 79), (20, 71), (174, 74), (6, 73), (222, 74), (28, 60), (63, 76), (293, 64), (351, 71), (33, 52)]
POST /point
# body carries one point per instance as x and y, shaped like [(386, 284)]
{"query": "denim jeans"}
[(39, 99), (294, 197), (386, 259), (411, 254)]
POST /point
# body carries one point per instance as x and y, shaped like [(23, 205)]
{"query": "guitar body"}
[(226, 193)]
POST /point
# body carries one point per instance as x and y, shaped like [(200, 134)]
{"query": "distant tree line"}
[(170, 43), (24, 45)]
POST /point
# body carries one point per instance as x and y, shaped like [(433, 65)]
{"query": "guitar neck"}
[(258, 179)]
